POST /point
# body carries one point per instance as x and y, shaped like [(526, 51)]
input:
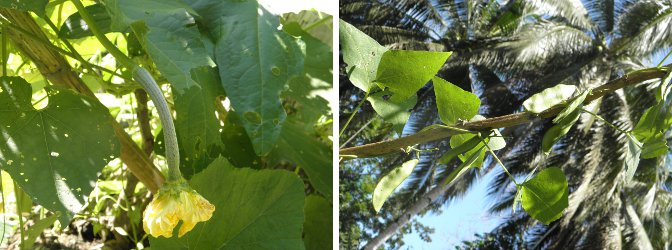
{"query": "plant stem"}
[(605, 121), (4, 53), (142, 76), (497, 159), (353, 113), (661, 61), (19, 200)]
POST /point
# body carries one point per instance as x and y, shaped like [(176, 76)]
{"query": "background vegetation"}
[(504, 52)]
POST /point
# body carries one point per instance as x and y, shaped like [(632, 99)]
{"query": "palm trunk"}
[(423, 202)]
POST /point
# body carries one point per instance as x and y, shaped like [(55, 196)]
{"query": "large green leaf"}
[(391, 181), (549, 97), (256, 60), (36, 6), (318, 64), (56, 153), (196, 123), (254, 209), (362, 55), (454, 103), (545, 196), (297, 145), (559, 130), (317, 230), (395, 113), (405, 71)]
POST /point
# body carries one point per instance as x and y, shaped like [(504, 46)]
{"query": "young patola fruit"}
[(175, 201)]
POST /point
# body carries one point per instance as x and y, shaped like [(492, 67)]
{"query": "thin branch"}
[(437, 133)]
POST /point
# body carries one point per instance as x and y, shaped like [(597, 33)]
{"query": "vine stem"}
[(626, 133), (145, 79), (497, 159), (354, 112)]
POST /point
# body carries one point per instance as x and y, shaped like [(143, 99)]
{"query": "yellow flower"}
[(175, 202)]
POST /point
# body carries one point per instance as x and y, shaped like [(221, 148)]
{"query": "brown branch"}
[(396, 145), (57, 70)]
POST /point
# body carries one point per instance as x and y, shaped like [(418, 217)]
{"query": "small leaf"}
[(391, 181), (36, 230), (631, 159), (459, 149), (453, 102), (361, 54), (549, 98), (654, 147), (652, 122), (496, 140), (395, 74), (545, 196), (558, 131), (577, 103), (395, 113), (462, 168), (457, 140)]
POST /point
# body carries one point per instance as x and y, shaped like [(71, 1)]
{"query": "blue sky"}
[(465, 217)]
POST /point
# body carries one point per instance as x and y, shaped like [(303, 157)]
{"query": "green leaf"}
[(654, 147), (36, 6), (317, 230), (55, 154), (631, 160), (307, 152), (549, 97), (460, 147), (457, 140), (545, 196), (391, 181), (496, 140), (454, 103), (318, 24), (254, 209), (319, 63), (256, 61), (577, 103), (75, 27), (404, 72), (654, 120), (238, 149), (362, 55), (464, 166), (395, 113), (556, 132), (196, 124), (36, 230)]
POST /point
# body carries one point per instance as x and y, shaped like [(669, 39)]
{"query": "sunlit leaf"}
[(577, 103), (55, 154), (396, 73), (362, 55), (395, 113), (454, 103), (545, 196)]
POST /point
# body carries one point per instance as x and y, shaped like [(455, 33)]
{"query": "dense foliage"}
[(248, 89), (504, 53)]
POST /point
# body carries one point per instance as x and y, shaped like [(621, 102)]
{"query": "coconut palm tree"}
[(517, 48)]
